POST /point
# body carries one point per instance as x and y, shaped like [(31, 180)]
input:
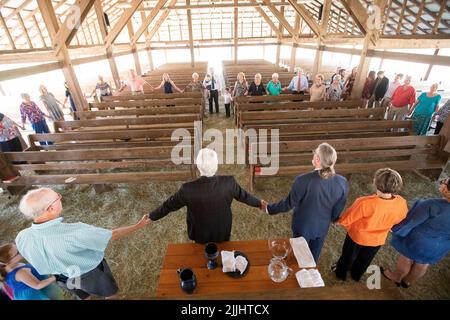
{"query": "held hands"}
[(144, 221), (263, 206)]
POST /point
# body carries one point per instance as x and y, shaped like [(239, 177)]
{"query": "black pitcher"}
[(188, 282)]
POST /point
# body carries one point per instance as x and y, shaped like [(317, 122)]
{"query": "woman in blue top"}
[(423, 238), (25, 282), (168, 84), (424, 108), (317, 197)]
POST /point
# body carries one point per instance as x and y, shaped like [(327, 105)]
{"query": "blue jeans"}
[(41, 127)]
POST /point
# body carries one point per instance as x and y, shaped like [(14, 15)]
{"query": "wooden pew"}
[(72, 140), (156, 121), (252, 111), (99, 166), (259, 100), (152, 96), (145, 103), (148, 111), (359, 155)]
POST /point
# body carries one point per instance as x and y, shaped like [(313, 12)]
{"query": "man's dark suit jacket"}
[(208, 201), (380, 88)]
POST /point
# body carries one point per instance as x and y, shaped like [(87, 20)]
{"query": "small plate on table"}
[(237, 274)]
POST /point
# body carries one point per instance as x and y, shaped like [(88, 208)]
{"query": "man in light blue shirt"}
[(299, 83), (72, 251)]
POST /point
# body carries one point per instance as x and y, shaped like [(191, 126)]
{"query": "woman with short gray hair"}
[(29, 109)]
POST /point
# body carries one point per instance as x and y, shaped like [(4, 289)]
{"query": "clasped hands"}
[(263, 206)]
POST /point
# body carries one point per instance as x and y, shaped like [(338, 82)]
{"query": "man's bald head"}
[(36, 203)]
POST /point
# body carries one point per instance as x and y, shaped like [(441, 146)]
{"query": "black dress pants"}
[(355, 258), (214, 95)]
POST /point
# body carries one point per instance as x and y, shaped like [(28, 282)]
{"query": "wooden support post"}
[(236, 32), (293, 57), (191, 37), (294, 45), (363, 69), (137, 63), (318, 60), (280, 28), (51, 22), (109, 52), (427, 74)]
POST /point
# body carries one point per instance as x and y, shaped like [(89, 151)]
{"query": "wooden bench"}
[(77, 140), (145, 103), (308, 131), (152, 96), (98, 166), (155, 121), (263, 111), (260, 101), (359, 155)]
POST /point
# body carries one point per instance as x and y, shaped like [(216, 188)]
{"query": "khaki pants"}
[(385, 104), (398, 114)]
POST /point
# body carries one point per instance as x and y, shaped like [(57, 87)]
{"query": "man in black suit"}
[(208, 200), (379, 90)]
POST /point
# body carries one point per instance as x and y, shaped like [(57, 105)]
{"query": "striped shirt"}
[(54, 247)]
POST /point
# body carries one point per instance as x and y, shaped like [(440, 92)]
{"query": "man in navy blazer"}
[(318, 198)]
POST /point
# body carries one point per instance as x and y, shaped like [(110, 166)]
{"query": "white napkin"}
[(302, 253), (228, 261), (309, 278), (241, 264)]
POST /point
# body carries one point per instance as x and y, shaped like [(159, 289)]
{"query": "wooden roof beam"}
[(306, 16), (281, 19), (148, 21), (123, 20), (267, 19)]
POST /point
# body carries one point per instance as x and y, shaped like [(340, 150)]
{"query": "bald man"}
[(72, 251)]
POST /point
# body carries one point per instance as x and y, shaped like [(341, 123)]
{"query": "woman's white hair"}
[(35, 202), (24, 95), (275, 75), (207, 162)]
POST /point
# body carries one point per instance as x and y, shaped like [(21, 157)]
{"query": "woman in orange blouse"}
[(368, 222)]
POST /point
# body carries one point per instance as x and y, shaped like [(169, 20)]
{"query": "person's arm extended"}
[(174, 203), (290, 201), (241, 195), (160, 86), (411, 110), (124, 231), (174, 85), (24, 275)]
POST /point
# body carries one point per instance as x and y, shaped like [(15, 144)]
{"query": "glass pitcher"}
[(278, 270)]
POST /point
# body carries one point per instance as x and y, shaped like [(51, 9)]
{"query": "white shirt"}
[(227, 98), (391, 89), (217, 82)]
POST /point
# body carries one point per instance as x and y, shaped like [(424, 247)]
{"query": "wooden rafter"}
[(267, 20), (118, 27), (357, 12), (325, 16), (439, 16), (400, 18), (306, 16), (281, 19), (191, 36), (24, 28), (8, 34), (419, 14), (148, 21)]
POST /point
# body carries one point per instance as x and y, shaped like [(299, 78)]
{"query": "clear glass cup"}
[(278, 270), (280, 248)]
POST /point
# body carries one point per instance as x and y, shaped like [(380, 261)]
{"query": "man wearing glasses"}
[(74, 252)]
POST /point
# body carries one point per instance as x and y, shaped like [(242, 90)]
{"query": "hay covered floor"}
[(136, 260)]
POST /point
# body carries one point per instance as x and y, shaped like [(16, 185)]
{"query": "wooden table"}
[(191, 255), (214, 284)]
